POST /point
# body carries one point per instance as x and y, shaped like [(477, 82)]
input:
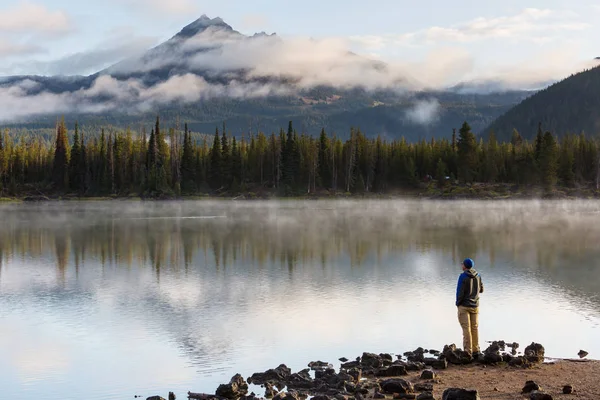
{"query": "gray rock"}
[(428, 374), (392, 370), (456, 356), (279, 374), (460, 394), (424, 387), (537, 395), (400, 386), (534, 353), (319, 365), (406, 396), (371, 360), (530, 386), (237, 387)]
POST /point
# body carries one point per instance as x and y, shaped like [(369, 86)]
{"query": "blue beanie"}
[(468, 263)]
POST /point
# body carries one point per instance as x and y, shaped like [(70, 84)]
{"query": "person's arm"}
[(460, 290), (480, 284)]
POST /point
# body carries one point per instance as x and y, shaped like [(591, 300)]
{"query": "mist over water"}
[(105, 300)]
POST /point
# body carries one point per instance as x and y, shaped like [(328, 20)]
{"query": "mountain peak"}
[(201, 24)]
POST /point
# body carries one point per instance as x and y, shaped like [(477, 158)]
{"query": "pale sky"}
[(81, 37)]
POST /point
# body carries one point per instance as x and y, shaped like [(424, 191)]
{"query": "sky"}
[(550, 38)]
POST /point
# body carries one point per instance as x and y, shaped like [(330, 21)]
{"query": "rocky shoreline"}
[(380, 376)]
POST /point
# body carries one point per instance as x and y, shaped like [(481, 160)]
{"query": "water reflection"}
[(120, 296)]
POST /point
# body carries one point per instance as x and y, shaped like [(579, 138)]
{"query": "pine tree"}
[(567, 163), (188, 161), (75, 167), (290, 161), (324, 161), (440, 173), (539, 143), (467, 154), (61, 161), (236, 165), (225, 161), (215, 180), (549, 161)]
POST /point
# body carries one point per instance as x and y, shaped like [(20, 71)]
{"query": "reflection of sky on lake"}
[(101, 306)]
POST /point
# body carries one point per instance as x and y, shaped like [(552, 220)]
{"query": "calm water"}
[(107, 300)]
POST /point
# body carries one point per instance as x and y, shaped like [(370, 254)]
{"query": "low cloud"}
[(424, 112), (107, 94), (117, 47), (28, 18), (8, 49)]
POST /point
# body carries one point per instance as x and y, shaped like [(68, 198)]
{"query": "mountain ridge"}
[(194, 61), (568, 106)]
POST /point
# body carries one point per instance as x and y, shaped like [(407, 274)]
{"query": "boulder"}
[(378, 395), (155, 398), (320, 373), (537, 395), (237, 387), (319, 365), (401, 386), (343, 359), (300, 380), (371, 360), (530, 386), (408, 396), (460, 394), (172, 396), (582, 353), (424, 387), (456, 356), (392, 370), (417, 355), (568, 389), (428, 374), (411, 365), (426, 396), (279, 374), (350, 365), (534, 353)]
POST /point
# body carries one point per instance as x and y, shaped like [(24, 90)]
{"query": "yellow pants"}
[(469, 321)]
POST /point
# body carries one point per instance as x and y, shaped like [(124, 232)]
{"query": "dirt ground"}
[(505, 383)]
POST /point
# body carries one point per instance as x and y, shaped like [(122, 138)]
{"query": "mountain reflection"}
[(199, 274)]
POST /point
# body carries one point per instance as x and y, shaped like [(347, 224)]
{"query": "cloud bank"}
[(219, 62)]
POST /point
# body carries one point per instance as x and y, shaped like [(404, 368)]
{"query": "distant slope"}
[(569, 106)]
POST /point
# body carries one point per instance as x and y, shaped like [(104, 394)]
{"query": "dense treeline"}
[(570, 105), (169, 162)]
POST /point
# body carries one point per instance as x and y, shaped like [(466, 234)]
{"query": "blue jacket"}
[(468, 289)]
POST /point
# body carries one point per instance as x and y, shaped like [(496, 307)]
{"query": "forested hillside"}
[(569, 106), (171, 162)]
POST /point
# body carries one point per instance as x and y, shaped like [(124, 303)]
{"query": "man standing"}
[(467, 300)]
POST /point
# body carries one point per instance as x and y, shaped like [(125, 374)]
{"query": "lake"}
[(111, 299)]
